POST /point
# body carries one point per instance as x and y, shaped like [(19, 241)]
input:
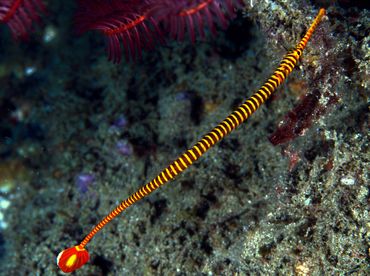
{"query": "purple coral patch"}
[(124, 148), (83, 181), (120, 122)]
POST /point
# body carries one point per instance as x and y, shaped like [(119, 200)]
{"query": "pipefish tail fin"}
[(72, 258)]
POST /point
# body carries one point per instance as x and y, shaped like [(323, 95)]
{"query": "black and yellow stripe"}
[(220, 131)]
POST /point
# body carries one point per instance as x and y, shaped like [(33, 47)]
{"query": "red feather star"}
[(135, 22), (19, 16)]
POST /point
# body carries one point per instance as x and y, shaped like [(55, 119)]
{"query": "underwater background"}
[(78, 135)]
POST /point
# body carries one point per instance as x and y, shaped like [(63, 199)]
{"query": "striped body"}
[(220, 131)]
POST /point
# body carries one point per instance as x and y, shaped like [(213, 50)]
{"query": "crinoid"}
[(135, 22), (179, 16), (19, 15), (120, 21)]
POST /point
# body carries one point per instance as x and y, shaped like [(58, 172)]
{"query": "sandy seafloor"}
[(243, 208)]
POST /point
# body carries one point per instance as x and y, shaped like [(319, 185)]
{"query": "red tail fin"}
[(72, 258)]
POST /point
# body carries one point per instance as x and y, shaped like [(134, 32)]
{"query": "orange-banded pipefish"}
[(75, 257)]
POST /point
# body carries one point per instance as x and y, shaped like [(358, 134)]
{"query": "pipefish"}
[(76, 256)]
